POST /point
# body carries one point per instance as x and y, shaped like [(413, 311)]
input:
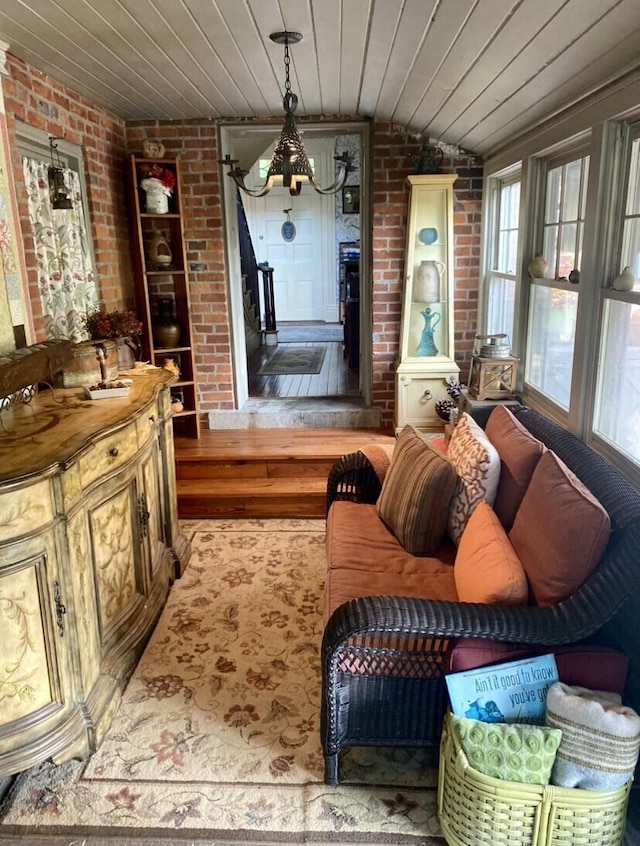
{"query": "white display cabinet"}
[(426, 360)]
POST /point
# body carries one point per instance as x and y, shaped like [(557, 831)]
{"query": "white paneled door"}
[(297, 265), (303, 269)]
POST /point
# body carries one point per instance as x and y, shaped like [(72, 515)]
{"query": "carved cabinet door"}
[(151, 510), (113, 515), (36, 685)]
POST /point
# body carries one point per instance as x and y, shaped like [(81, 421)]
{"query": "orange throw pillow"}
[(487, 568), (519, 454), (560, 532)]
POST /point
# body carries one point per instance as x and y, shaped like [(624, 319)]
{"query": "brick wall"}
[(41, 102)]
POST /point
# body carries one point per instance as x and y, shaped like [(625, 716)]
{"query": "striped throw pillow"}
[(416, 493)]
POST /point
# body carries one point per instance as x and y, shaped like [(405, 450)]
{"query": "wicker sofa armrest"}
[(354, 478), (578, 617)]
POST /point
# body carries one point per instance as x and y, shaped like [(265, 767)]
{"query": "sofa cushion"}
[(358, 540), (416, 492), (592, 666), (436, 582), (519, 454), (477, 464), (560, 531), (487, 568), (372, 562)]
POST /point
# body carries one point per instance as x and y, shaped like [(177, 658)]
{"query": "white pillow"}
[(477, 464)]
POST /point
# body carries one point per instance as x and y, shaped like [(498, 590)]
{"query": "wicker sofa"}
[(384, 657)]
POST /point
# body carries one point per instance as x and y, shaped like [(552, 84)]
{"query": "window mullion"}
[(602, 237)]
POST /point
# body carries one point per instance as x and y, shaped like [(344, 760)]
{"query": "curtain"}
[(65, 268)]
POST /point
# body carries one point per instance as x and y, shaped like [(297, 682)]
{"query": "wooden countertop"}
[(57, 425)]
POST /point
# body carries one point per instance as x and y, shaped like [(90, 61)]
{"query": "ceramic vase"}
[(166, 331), (537, 267), (625, 281)]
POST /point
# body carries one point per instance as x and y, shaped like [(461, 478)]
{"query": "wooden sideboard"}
[(89, 545)]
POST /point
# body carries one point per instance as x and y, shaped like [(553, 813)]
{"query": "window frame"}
[(534, 202), (616, 163), (34, 143), (493, 190)]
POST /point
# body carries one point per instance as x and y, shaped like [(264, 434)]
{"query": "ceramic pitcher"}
[(427, 346)]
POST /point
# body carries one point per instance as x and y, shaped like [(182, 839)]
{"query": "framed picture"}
[(351, 199)]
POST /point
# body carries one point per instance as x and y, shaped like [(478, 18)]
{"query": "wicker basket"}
[(476, 809)]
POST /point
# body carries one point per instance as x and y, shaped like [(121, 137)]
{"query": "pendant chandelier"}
[(57, 186), (290, 165)]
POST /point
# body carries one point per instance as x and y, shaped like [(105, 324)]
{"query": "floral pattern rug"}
[(218, 730)]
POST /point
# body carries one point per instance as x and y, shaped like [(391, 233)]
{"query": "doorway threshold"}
[(299, 412)]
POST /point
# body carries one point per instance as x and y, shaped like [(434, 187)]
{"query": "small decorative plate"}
[(428, 236), (288, 230)]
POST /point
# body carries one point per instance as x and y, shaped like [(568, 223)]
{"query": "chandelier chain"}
[(287, 62)]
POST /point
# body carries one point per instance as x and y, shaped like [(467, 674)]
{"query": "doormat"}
[(291, 361)]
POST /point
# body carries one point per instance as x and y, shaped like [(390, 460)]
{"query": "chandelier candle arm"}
[(290, 166)]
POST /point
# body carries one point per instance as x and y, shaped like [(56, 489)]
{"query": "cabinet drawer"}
[(108, 454), (416, 399), (25, 510), (146, 424)]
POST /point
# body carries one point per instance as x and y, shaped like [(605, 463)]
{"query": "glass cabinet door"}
[(427, 330)]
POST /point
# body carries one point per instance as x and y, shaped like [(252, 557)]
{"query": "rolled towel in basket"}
[(600, 738)]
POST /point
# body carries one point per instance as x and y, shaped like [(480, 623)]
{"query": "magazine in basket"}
[(515, 692)]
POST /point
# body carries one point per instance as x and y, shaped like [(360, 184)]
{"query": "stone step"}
[(325, 413)]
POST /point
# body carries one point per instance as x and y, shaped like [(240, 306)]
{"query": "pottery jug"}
[(156, 197), (427, 284), (427, 346), (625, 281)]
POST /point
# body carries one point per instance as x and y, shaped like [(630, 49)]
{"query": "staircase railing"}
[(248, 261)]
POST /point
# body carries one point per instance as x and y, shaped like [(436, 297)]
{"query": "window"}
[(617, 417), (553, 304), (62, 237), (565, 200), (503, 256)]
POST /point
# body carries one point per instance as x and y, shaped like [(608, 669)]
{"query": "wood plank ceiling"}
[(473, 73)]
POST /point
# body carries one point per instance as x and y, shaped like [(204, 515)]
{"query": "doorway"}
[(306, 268)]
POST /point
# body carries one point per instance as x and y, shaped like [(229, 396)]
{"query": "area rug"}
[(307, 333), (217, 735), (290, 361)]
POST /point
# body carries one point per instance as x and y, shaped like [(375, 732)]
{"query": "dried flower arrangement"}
[(112, 324)]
